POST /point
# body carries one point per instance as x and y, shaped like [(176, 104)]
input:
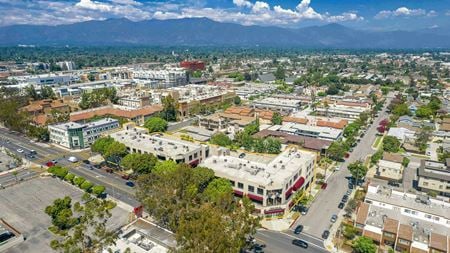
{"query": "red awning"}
[(194, 163), (299, 183), (288, 193), (291, 204), (255, 197), (272, 211), (238, 192)]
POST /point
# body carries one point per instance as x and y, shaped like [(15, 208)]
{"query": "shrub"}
[(78, 181), (69, 177), (58, 171), (98, 189), (86, 185)]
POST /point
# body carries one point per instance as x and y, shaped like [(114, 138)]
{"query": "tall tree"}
[(364, 245), (90, 234), (156, 124), (358, 170), (139, 163), (277, 119), (170, 107)]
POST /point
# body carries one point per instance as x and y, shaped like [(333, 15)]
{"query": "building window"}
[(240, 185), (232, 183), (390, 235), (195, 155), (404, 242), (190, 157), (260, 191), (425, 183), (251, 188)]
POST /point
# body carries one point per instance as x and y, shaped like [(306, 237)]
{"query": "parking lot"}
[(22, 206)]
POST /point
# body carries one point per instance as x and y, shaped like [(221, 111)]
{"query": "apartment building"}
[(434, 176), (137, 140), (138, 116), (404, 221), (390, 167), (346, 110), (254, 89), (164, 78), (134, 101), (271, 186), (74, 135)]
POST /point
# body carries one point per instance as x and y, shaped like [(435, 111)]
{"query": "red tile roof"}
[(102, 111), (338, 125), (306, 142)]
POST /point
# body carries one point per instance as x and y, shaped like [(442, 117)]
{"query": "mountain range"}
[(206, 32)]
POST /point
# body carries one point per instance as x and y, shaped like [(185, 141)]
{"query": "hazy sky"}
[(362, 14)]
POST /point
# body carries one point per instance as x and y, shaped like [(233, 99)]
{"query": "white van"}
[(72, 159)]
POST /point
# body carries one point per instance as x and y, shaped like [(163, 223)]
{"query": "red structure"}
[(193, 65)]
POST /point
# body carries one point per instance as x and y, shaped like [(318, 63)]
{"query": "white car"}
[(20, 150), (337, 168)]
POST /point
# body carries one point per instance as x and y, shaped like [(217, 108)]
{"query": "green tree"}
[(69, 177), (391, 144), (139, 163), (31, 92), (424, 112), (61, 214), (47, 92), (376, 157), (272, 145), (90, 233), (98, 190), (220, 139), (358, 170), (116, 149), (58, 171), (277, 119), (169, 112), (336, 151), (401, 109), (102, 144), (164, 167), (217, 190), (351, 129), (364, 245), (86, 185), (280, 73), (156, 124), (422, 138), (78, 181), (237, 100)]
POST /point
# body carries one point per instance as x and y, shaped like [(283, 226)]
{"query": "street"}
[(326, 203)]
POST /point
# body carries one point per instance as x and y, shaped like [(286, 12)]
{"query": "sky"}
[(360, 14)]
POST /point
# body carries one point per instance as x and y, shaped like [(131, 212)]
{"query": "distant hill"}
[(205, 32)]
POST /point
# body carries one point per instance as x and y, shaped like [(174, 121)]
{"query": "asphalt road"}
[(277, 242), (326, 203), (10, 179)]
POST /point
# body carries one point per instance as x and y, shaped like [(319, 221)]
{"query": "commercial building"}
[(269, 185), (46, 79), (193, 65), (134, 101), (325, 133), (138, 141), (43, 111), (254, 89), (282, 105), (165, 78), (434, 176), (74, 135), (404, 221)]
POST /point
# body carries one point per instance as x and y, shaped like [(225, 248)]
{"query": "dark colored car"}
[(242, 155), (393, 183), (130, 184), (345, 198), (325, 234), (86, 162), (300, 243), (324, 186), (341, 205), (298, 229)]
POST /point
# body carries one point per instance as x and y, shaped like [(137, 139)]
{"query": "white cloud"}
[(260, 7), (404, 12), (93, 5), (127, 2), (242, 3)]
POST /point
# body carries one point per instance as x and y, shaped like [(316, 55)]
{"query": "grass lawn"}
[(377, 142)]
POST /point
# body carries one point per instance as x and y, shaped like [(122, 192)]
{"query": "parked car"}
[(130, 184), (20, 150), (324, 186), (50, 164), (348, 192), (298, 229), (86, 162), (242, 155), (333, 218), (300, 243), (337, 168), (33, 152), (345, 198), (325, 234), (393, 183), (341, 205), (303, 210)]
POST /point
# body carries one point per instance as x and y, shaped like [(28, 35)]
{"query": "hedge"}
[(86, 185), (78, 181), (58, 171), (98, 190), (69, 177)]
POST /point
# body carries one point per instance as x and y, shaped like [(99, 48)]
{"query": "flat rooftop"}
[(279, 102), (421, 203), (283, 167), (158, 144), (317, 131), (75, 125)]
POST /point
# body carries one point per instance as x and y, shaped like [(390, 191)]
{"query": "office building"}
[(161, 78), (270, 186), (74, 135), (138, 141)]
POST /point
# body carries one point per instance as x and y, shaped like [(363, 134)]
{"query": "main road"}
[(326, 203)]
